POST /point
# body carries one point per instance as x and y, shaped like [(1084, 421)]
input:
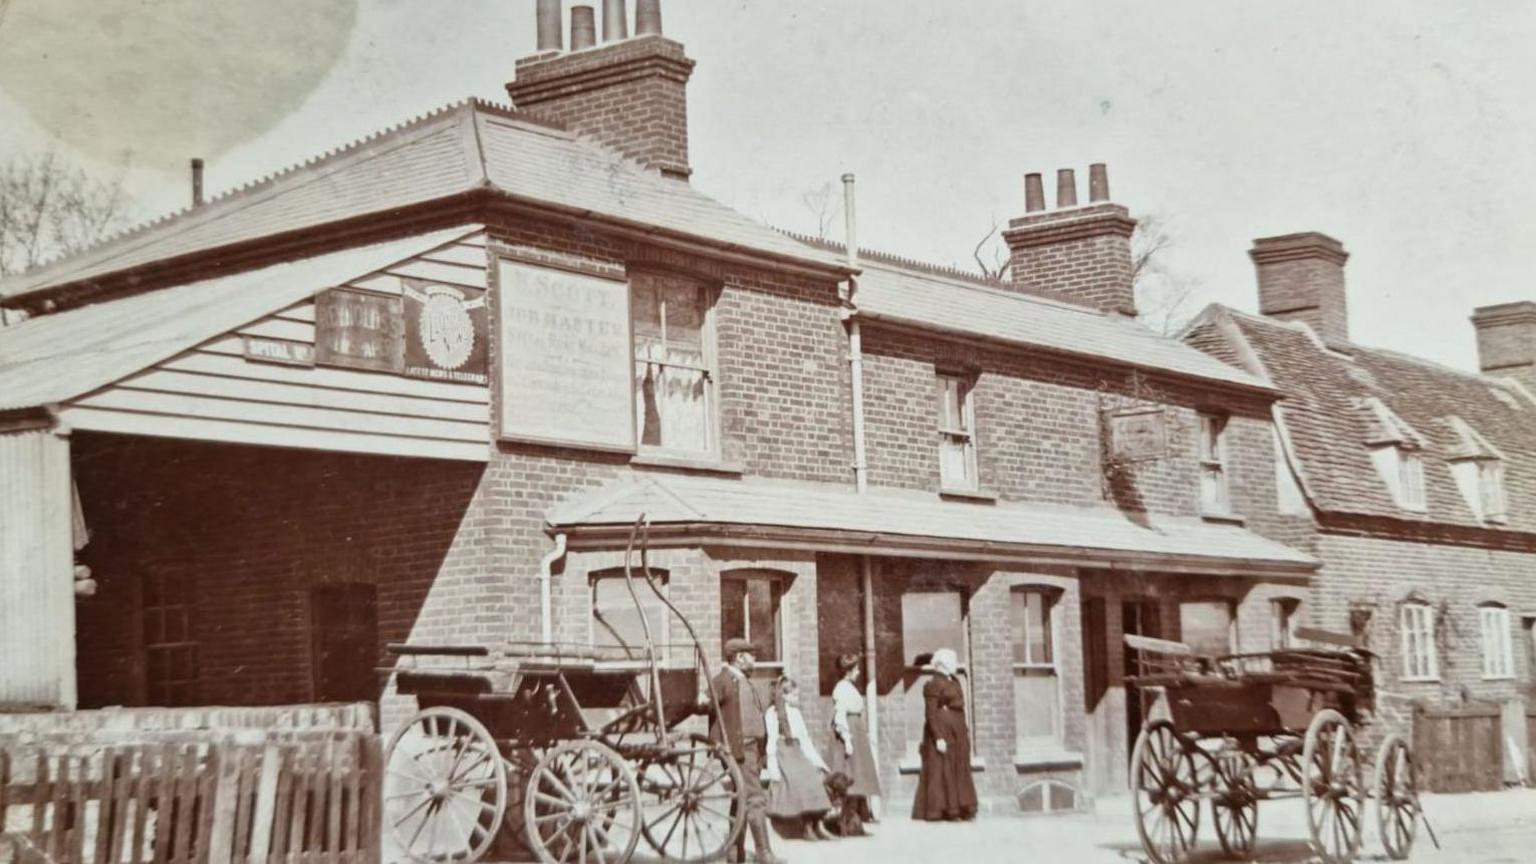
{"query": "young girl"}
[(795, 790), (848, 750)]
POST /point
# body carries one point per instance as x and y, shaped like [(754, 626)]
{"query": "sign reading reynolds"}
[(566, 361), (358, 330)]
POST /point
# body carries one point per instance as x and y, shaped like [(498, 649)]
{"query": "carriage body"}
[(1241, 728)]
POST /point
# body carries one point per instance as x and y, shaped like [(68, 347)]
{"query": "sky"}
[(1405, 129)]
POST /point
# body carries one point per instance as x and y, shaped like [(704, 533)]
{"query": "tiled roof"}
[(459, 149), (926, 298), (54, 358), (1335, 404), (1098, 536)]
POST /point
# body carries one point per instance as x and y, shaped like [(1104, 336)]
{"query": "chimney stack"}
[(197, 182), (1506, 341), (1077, 254), (628, 94), (547, 21), (1301, 278)]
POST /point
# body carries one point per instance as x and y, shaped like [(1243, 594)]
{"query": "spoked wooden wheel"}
[(583, 805), (1235, 803), (1166, 792), (1332, 788), (444, 790), (686, 796), (1397, 797)]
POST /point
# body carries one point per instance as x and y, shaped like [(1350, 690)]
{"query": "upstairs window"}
[(1420, 659), (674, 363), (1214, 495), (1498, 646), (957, 433), (1396, 450)]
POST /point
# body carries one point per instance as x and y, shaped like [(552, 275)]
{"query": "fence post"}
[(266, 801), (225, 797)]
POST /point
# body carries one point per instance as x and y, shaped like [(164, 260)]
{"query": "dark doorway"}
[(346, 642), (1138, 617)]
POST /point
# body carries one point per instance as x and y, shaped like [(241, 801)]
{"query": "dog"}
[(843, 820)]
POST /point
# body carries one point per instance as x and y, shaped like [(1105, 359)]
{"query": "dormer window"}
[(1479, 471), (1397, 449), (1490, 484), (1410, 482)]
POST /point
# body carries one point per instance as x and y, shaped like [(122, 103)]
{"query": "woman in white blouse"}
[(849, 745), (795, 769)]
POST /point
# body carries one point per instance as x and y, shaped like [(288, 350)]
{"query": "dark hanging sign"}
[(1138, 434), (359, 330), (445, 331)]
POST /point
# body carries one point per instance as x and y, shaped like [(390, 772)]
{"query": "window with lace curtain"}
[(674, 364)]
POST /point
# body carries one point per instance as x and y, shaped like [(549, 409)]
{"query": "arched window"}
[(1498, 645), (1420, 659)]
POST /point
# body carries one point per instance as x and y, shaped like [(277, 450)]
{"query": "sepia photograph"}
[(774, 431)]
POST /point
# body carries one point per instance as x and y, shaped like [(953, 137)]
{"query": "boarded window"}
[(1207, 626), (930, 620), (674, 382), (345, 619), (1420, 660), (170, 651), (750, 609), (620, 621), (1036, 690)]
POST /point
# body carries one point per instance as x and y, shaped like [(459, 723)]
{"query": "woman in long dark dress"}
[(945, 789)]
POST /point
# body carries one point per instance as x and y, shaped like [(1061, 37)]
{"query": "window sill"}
[(915, 766), (1498, 677), (981, 495), (1224, 518), (1046, 756), (1434, 680), (688, 463)]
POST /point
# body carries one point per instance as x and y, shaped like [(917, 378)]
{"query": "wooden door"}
[(346, 642), (1138, 617)]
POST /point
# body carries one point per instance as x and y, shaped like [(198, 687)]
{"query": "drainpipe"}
[(860, 469), (546, 573)]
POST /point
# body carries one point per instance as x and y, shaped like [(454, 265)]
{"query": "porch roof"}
[(51, 359), (824, 517)]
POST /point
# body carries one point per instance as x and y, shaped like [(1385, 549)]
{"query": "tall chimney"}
[(1098, 183), (1078, 254), (197, 182), (630, 95), (1301, 278), (1506, 341), (547, 21), (583, 28), (615, 23)]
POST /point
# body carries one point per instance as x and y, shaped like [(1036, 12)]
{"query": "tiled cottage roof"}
[(468, 147), (1336, 406), (835, 517)]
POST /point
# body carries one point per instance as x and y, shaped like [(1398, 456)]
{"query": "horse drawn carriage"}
[(1238, 729), (587, 751)]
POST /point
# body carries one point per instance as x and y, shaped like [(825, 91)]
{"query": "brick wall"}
[(1080, 254)]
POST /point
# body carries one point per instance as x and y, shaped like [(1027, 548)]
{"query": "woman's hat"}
[(738, 646)]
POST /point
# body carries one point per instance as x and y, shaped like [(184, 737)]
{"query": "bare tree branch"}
[(1001, 260), (49, 208), (823, 207)]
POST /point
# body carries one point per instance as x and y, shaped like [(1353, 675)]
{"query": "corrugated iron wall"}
[(37, 597)]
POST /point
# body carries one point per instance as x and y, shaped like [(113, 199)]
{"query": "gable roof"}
[(1336, 405), (53, 358), (836, 518), (463, 148), (931, 299)]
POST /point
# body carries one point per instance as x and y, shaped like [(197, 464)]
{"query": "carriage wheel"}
[(1332, 787), (687, 798), (1397, 797), (1235, 803), (583, 804), (444, 791), (1167, 793)]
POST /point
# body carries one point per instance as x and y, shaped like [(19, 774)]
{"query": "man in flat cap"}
[(742, 726)]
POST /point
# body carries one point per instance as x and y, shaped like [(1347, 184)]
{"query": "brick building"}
[(1415, 485), (419, 389)]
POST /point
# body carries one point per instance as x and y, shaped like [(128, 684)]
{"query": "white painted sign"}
[(565, 368)]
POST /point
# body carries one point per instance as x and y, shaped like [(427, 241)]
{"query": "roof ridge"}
[(893, 259)]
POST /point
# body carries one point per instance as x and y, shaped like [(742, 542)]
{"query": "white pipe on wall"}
[(546, 573)]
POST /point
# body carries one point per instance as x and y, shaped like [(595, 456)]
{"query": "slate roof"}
[(54, 358), (462, 148), (1329, 412), (886, 518)]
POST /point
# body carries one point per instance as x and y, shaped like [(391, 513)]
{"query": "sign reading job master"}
[(566, 367)]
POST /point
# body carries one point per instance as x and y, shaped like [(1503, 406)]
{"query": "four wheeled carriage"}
[(589, 752), (1239, 729)]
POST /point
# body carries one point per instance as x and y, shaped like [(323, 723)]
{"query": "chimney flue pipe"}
[(1034, 193), (583, 27), (648, 17), (615, 20), (1066, 188), (1098, 182), (197, 182), (547, 18)]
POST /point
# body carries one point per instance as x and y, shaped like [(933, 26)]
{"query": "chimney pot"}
[(615, 21), (547, 19), (583, 27), (1034, 193), (1066, 188), (648, 17), (1098, 183), (197, 182)]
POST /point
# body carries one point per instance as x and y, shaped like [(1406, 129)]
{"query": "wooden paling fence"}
[(1460, 749), (207, 797)]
